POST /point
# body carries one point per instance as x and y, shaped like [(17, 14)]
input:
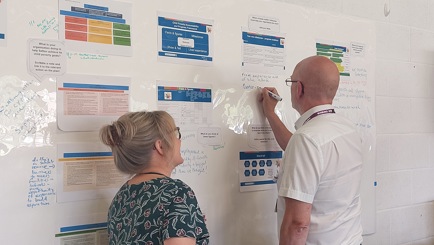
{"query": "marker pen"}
[(274, 96)]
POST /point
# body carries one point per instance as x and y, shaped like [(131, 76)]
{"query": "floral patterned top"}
[(153, 211)]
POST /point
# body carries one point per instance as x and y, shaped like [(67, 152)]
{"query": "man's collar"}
[(309, 112)]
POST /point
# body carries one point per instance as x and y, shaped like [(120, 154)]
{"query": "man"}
[(319, 179)]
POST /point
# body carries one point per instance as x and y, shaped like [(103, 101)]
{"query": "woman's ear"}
[(158, 146)]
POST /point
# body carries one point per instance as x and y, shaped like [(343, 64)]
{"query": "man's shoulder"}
[(327, 128)]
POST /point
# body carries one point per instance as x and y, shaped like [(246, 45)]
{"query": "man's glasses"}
[(288, 82), (179, 132)]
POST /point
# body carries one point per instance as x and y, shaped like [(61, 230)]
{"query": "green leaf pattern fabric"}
[(153, 211)]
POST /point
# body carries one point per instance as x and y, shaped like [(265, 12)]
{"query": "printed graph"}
[(340, 55), (91, 23)]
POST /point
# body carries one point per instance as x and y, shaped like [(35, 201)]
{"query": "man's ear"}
[(158, 146), (299, 89)]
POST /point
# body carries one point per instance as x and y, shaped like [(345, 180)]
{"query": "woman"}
[(151, 208)]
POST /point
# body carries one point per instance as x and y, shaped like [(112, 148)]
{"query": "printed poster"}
[(185, 40), (95, 26)]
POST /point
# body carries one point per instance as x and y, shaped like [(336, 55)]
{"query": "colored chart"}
[(95, 27), (96, 24), (338, 54)]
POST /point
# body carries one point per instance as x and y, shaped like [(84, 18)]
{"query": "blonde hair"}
[(132, 138)]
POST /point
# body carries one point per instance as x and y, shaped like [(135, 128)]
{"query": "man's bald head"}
[(320, 77)]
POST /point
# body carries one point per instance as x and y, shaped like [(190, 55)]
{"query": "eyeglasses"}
[(179, 132), (288, 82)]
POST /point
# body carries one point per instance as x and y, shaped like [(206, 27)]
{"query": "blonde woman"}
[(151, 208)]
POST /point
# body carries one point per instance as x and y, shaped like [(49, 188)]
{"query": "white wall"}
[(404, 115), (235, 218)]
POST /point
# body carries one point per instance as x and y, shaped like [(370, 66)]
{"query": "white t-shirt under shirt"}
[(322, 165)]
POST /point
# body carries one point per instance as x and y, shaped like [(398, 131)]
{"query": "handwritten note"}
[(46, 24), (84, 56), (195, 162), (17, 101), (353, 98), (41, 182), (258, 77), (24, 114)]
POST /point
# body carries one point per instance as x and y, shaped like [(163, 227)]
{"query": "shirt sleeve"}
[(301, 170), (183, 217)]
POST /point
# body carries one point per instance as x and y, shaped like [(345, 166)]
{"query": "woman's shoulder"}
[(184, 188), (165, 184), (181, 184)]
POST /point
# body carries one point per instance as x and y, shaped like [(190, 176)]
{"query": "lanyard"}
[(327, 111)]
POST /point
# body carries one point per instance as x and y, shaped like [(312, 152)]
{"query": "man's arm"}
[(281, 133), (296, 222)]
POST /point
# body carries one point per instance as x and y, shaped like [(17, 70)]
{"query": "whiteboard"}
[(30, 136)]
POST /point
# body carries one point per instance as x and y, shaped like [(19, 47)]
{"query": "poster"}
[(189, 104), (258, 170), (85, 103), (263, 53), (185, 40), (102, 27), (86, 171)]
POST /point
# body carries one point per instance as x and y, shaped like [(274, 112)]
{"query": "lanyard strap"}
[(155, 173), (327, 111)]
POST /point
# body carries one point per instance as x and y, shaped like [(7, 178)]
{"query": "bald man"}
[(319, 179)]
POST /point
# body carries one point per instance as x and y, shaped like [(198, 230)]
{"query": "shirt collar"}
[(309, 112)]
